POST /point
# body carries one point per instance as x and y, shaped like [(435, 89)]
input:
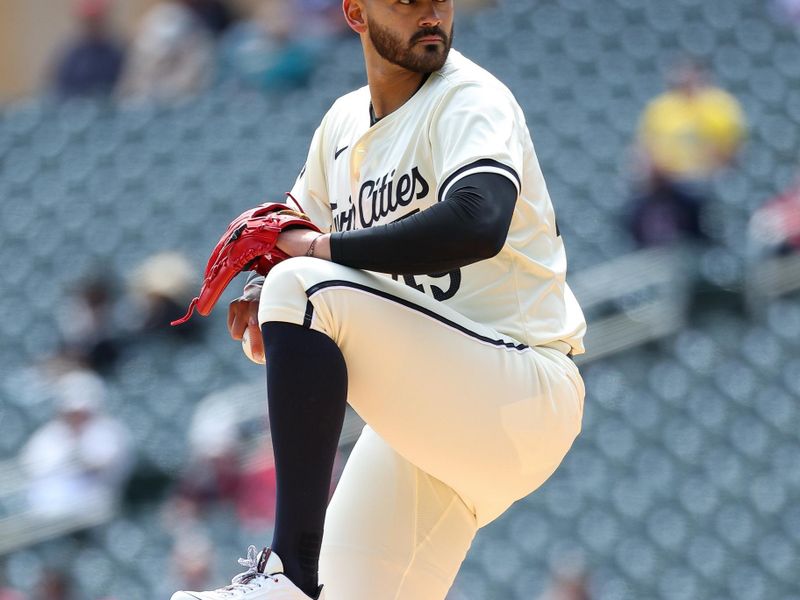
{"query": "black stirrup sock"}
[(307, 396)]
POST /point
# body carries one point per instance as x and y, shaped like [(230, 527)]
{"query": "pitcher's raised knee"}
[(283, 297)]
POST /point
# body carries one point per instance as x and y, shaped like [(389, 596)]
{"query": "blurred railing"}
[(20, 526), (632, 299), (770, 278)]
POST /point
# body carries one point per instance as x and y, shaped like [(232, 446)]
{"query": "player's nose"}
[(431, 16)]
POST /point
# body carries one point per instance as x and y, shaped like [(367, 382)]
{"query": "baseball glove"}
[(248, 244)]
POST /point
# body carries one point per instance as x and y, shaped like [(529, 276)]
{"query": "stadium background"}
[(684, 484)]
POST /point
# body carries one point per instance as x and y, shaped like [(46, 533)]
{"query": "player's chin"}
[(429, 57)]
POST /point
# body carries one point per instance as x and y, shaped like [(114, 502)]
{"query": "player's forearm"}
[(471, 224)]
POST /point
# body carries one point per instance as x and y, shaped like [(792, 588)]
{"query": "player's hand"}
[(243, 315), (295, 242)]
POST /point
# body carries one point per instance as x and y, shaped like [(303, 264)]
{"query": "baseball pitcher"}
[(429, 293)]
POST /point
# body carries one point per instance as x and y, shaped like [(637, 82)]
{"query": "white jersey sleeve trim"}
[(486, 165)]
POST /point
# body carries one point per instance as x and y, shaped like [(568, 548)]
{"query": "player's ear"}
[(354, 15)]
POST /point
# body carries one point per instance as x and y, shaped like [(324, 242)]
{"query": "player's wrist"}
[(310, 251), (320, 247)]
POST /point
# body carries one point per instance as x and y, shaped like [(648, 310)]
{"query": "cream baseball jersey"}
[(461, 121)]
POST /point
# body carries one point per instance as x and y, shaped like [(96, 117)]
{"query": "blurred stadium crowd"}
[(181, 47), (134, 458)]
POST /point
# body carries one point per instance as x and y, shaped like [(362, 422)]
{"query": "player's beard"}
[(416, 57)]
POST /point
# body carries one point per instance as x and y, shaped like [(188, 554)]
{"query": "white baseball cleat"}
[(263, 580)]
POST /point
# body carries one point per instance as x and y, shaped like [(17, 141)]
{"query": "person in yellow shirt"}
[(685, 136), (693, 129)]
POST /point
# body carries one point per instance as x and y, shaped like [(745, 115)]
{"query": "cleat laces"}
[(249, 580)]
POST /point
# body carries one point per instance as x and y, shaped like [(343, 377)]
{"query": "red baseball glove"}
[(248, 244)]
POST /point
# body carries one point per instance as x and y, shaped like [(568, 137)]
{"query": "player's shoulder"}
[(345, 114), (355, 103), (461, 78), (460, 70)]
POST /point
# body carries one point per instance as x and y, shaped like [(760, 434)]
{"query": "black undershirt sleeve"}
[(469, 225)]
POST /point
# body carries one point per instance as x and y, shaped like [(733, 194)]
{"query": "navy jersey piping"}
[(484, 162), (421, 309)]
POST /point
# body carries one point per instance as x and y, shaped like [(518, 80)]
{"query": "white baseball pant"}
[(461, 422)]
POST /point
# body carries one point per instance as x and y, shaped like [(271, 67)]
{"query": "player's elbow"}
[(489, 243), (496, 245)]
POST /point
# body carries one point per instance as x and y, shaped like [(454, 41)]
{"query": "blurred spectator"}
[(665, 212), (80, 460), (172, 55), (211, 480), (264, 52), (775, 227), (90, 64), (230, 460), (86, 324), (216, 15), (7, 593), (191, 555), (570, 582), (321, 18), (689, 132), (180, 517), (191, 561), (54, 585), (255, 504), (162, 287), (686, 135), (213, 473)]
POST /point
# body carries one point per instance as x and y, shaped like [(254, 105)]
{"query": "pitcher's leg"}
[(457, 399), (307, 394), (392, 532)]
